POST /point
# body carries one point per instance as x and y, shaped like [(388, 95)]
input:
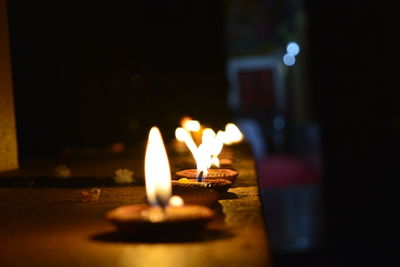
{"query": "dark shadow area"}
[(228, 195), (294, 218), (298, 259), (206, 235), (91, 74)]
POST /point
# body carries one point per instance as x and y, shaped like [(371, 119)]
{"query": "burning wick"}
[(200, 177), (161, 203)]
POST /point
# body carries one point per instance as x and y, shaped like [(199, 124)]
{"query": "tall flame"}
[(157, 170)]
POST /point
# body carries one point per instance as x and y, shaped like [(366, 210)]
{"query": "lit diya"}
[(197, 189), (205, 155), (165, 213)]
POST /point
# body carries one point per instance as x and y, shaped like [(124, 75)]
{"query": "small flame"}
[(157, 170), (232, 134), (184, 119), (190, 125), (180, 134)]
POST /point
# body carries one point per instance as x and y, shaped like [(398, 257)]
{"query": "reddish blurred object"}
[(257, 90), (117, 148), (285, 170), (256, 83), (65, 152)]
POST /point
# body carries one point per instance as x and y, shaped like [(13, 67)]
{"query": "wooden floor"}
[(51, 226)]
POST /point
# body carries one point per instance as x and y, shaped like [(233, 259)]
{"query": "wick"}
[(200, 177), (162, 204)]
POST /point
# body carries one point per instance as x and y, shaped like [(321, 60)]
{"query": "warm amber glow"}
[(190, 125), (184, 119), (157, 171), (232, 134)]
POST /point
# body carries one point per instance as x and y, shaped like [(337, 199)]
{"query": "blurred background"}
[(302, 80)]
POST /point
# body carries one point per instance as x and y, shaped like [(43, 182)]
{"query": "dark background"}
[(89, 73), (359, 113)]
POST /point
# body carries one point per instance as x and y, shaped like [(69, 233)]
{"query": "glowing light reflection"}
[(293, 48), (289, 60)]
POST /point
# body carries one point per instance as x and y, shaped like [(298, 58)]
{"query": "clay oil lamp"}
[(205, 155), (164, 211), (195, 189)]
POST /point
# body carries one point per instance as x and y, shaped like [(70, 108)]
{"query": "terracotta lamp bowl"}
[(144, 218), (192, 185), (227, 174)]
